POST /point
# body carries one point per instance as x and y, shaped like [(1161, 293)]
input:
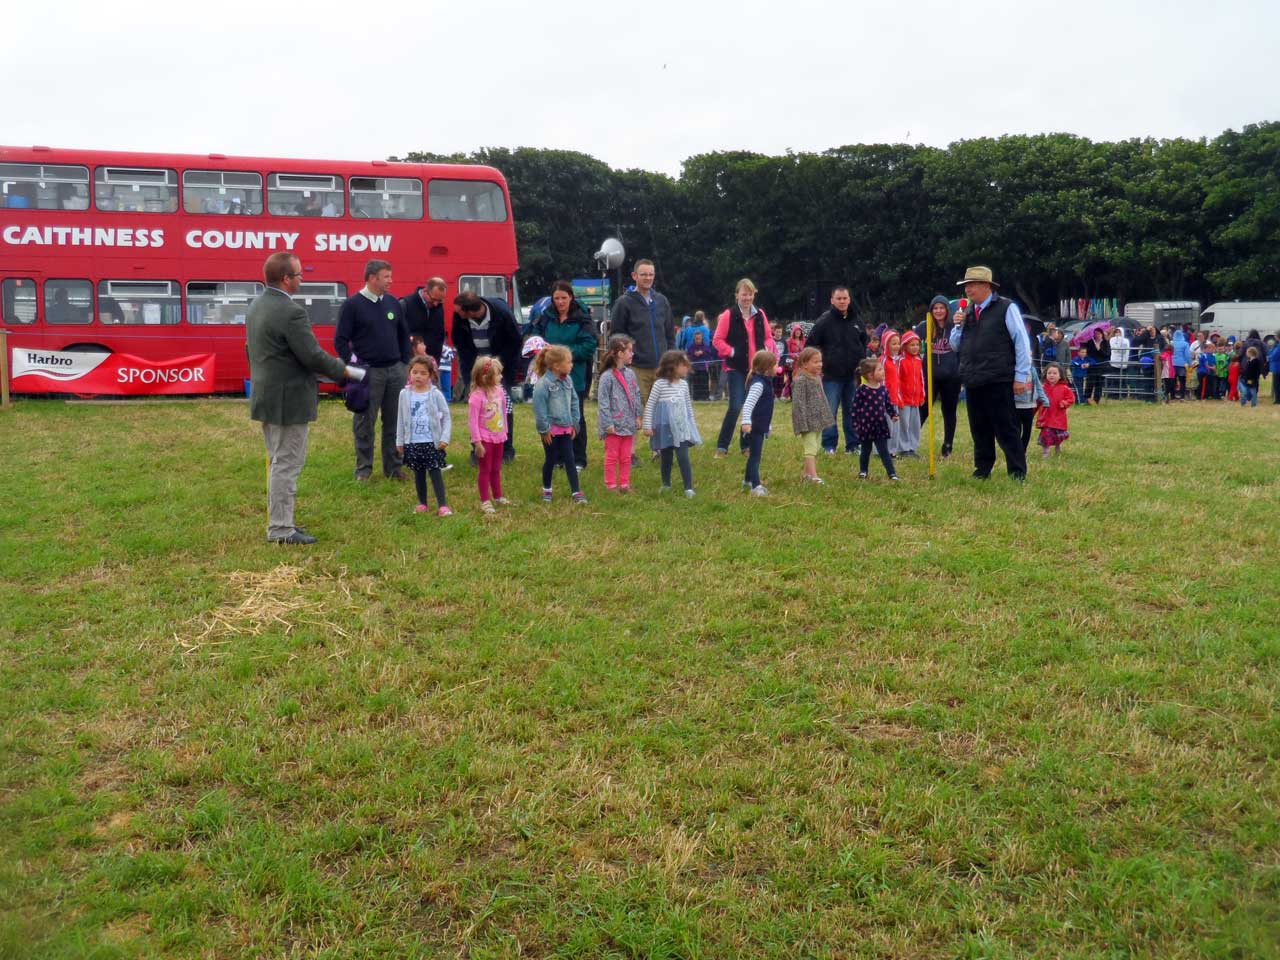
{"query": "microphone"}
[(964, 303)]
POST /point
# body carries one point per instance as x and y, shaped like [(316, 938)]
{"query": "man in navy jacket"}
[(424, 315), (371, 326)]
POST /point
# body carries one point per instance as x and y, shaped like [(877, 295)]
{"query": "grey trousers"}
[(385, 384), (908, 429), (286, 454)]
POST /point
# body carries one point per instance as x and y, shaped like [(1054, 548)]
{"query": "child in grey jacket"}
[(620, 412), (810, 412)]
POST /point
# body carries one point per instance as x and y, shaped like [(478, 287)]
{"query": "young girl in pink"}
[(620, 412), (487, 417)]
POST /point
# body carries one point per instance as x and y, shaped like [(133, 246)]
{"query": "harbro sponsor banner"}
[(20, 235), (59, 371)]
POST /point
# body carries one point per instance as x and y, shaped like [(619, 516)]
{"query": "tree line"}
[(1056, 216)]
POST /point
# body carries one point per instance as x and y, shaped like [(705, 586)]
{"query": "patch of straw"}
[(274, 599)]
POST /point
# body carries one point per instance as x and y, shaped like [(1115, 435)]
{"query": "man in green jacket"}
[(284, 359)]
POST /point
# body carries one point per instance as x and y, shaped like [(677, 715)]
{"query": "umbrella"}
[(1034, 324), (1086, 334)]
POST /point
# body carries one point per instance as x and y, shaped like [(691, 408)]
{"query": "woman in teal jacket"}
[(565, 323)]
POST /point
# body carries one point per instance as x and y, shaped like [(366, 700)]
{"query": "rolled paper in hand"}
[(355, 373)]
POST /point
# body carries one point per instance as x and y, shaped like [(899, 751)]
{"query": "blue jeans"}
[(840, 393), (1248, 394), (735, 384)]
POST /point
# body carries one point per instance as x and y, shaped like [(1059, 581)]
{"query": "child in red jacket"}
[(1052, 418), (891, 354), (910, 395)]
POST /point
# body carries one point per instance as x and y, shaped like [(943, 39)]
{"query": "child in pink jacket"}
[(487, 418)]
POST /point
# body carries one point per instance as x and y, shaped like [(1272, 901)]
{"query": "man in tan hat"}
[(995, 363)]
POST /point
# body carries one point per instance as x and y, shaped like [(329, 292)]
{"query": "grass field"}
[(942, 719)]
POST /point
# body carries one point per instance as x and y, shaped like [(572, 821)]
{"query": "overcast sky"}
[(637, 85)]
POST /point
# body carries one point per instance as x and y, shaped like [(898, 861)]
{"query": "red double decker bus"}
[(133, 272)]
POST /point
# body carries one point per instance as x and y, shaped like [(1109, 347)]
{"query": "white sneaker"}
[(816, 481), (760, 491), (690, 493)]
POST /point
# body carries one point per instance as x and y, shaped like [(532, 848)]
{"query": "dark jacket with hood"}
[(843, 343), (946, 362), (651, 327)]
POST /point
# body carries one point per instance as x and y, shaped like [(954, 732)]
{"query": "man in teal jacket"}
[(284, 359)]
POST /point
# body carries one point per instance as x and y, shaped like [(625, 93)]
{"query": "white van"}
[(1170, 313), (1235, 318)]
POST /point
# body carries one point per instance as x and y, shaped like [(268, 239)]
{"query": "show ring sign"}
[(59, 371)]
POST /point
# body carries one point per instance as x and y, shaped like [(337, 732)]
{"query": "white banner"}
[(55, 364)]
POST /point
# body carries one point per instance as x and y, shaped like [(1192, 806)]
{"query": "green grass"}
[(943, 719)]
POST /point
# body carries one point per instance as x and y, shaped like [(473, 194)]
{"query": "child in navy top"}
[(872, 414), (757, 417), (1080, 365)]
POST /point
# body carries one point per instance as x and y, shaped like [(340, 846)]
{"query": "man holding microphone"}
[(995, 363)]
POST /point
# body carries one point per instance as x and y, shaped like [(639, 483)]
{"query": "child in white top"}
[(669, 420)]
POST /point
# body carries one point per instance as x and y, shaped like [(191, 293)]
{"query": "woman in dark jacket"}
[(1099, 352), (566, 323), (946, 368)]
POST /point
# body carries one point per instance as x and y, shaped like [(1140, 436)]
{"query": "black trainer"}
[(297, 538)]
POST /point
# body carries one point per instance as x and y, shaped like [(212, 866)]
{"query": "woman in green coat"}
[(566, 323)]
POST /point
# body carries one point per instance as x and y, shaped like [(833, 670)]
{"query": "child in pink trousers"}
[(620, 412), (487, 417)]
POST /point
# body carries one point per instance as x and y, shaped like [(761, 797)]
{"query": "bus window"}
[(494, 287), (322, 301), (136, 190), (18, 301), (44, 186), (466, 200), (221, 191), (148, 302), (220, 302), (386, 198), (68, 301), (305, 195)]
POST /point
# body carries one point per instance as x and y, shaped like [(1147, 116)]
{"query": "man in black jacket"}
[(486, 327), (839, 335), (995, 364), (645, 316), (424, 313)]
